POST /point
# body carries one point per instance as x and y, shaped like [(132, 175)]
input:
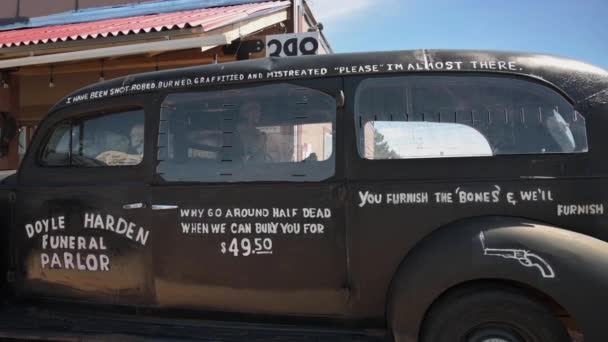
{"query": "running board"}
[(33, 323)]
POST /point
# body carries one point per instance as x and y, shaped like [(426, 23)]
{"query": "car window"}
[(115, 139), (455, 116), (278, 132), (57, 149), (423, 140)]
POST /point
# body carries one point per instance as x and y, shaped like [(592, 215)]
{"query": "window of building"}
[(456, 116), (278, 132), (26, 132), (115, 139)]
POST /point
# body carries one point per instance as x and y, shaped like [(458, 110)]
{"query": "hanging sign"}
[(292, 44)]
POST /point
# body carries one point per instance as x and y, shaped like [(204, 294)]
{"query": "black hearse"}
[(416, 196)]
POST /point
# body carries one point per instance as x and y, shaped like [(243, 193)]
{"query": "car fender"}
[(569, 267)]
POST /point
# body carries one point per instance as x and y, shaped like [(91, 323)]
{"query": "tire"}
[(480, 314)]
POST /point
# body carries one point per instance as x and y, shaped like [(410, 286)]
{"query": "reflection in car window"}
[(448, 116), (278, 132), (402, 140), (57, 149), (108, 140)]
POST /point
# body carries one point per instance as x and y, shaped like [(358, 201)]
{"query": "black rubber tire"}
[(490, 312)]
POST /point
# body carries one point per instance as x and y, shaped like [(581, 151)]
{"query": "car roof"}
[(584, 84)]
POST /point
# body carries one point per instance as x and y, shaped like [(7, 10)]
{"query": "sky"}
[(574, 28)]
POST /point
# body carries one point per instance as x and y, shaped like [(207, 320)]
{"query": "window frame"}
[(32, 173), (462, 168), (331, 86), (514, 84), (80, 118)]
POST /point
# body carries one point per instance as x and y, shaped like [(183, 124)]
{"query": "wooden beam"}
[(13, 150), (154, 54), (134, 49), (166, 61), (5, 93)]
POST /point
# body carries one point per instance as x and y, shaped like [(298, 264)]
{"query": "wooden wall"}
[(9, 102)]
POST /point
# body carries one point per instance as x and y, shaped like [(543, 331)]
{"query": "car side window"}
[(115, 139), (277, 132), (455, 116)]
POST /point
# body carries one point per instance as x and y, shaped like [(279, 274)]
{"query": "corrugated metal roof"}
[(207, 19), (122, 11)]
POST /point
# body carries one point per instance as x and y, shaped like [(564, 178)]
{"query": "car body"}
[(385, 181)]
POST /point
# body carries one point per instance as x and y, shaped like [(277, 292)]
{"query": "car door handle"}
[(164, 206), (134, 206)]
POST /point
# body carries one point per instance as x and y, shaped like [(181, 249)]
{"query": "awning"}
[(207, 19)]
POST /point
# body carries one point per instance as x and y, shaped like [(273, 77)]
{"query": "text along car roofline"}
[(580, 81)]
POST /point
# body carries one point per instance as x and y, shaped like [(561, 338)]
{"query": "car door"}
[(248, 202), (434, 149), (81, 227)]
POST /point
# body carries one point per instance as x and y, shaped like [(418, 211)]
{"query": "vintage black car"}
[(416, 195)]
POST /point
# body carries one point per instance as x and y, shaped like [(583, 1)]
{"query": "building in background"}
[(50, 48)]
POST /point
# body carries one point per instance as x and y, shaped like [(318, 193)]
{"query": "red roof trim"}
[(207, 19)]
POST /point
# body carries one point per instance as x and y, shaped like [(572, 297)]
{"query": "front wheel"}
[(492, 315)]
